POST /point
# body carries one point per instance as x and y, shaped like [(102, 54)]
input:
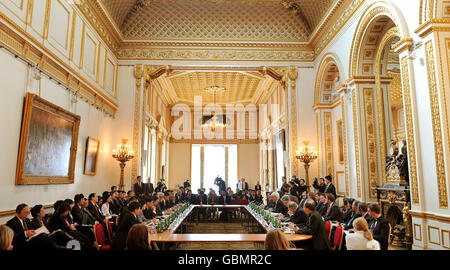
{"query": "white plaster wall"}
[(14, 76)]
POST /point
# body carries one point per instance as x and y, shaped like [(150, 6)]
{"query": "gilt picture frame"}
[(48, 144), (91, 156)]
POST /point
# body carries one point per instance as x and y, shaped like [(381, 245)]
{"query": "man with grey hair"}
[(281, 205), (297, 214)]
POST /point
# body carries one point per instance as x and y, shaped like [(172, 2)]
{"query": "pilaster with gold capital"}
[(138, 75), (292, 112)]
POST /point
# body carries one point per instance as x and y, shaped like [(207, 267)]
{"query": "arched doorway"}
[(376, 77)]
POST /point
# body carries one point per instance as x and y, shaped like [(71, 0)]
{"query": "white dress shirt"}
[(357, 241)]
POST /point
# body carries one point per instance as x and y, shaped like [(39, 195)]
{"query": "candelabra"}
[(123, 153), (306, 154)]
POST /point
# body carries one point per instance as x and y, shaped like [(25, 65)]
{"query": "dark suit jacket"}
[(213, 200), (179, 198), (299, 217), (322, 208), (139, 188), (349, 224), (114, 207), (149, 214), (381, 232), (95, 212), (224, 201), (78, 215), (334, 214), (280, 208), (149, 189), (330, 189), (258, 199), (257, 187), (347, 215), (316, 227), (158, 210), (19, 232), (126, 221)]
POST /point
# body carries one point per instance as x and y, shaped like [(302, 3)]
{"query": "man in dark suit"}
[(258, 198), (363, 210), (355, 214), (126, 221), (149, 187), (330, 188), (149, 212), (94, 209), (322, 206), (224, 198), (257, 186), (139, 187), (333, 212), (20, 224), (380, 226), (314, 226), (186, 184), (280, 204), (297, 214)]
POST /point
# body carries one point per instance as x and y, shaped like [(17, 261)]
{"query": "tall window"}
[(212, 160)]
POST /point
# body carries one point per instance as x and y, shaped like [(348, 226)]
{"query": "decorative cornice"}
[(102, 24), (402, 45), (433, 25), (215, 54)]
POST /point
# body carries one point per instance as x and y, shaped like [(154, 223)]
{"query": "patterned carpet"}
[(219, 228)]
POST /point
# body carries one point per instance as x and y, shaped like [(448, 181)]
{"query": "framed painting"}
[(91, 158), (340, 134), (48, 144)]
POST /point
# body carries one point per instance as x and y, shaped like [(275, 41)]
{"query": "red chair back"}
[(236, 201), (99, 234), (338, 236), (328, 228), (109, 228)]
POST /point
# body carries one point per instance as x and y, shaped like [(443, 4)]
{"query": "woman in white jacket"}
[(362, 239)]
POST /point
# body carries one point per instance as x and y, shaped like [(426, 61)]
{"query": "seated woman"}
[(6, 237), (362, 239), (138, 238), (38, 213), (59, 221), (275, 240)]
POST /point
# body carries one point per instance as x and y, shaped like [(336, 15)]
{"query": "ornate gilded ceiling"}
[(230, 20)]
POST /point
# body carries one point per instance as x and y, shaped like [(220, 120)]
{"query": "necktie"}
[(67, 223), (328, 211), (25, 227), (372, 227)]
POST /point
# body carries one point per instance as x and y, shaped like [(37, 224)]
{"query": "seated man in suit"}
[(297, 214), (281, 206), (315, 227), (354, 215), (322, 206), (224, 198), (347, 210), (114, 206), (23, 233), (126, 221), (258, 198), (363, 210), (379, 226), (333, 212), (179, 196), (149, 211), (94, 209)]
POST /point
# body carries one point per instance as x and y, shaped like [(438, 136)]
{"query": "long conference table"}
[(170, 235)]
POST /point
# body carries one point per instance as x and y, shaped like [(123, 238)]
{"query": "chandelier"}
[(306, 154), (212, 121), (123, 153)]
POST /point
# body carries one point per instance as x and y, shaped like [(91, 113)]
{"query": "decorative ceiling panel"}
[(118, 9), (239, 86), (251, 20), (314, 10)]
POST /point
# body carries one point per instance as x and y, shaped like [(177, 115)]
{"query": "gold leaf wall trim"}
[(410, 131), (371, 139), (328, 129), (437, 132), (356, 136)]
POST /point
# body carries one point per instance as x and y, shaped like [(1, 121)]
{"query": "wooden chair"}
[(328, 227), (110, 230), (100, 237), (338, 237)]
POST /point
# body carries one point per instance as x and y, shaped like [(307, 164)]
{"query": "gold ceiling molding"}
[(215, 55), (333, 24), (94, 14)]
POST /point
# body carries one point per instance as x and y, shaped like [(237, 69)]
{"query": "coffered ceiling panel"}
[(239, 86), (118, 9), (228, 20)]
